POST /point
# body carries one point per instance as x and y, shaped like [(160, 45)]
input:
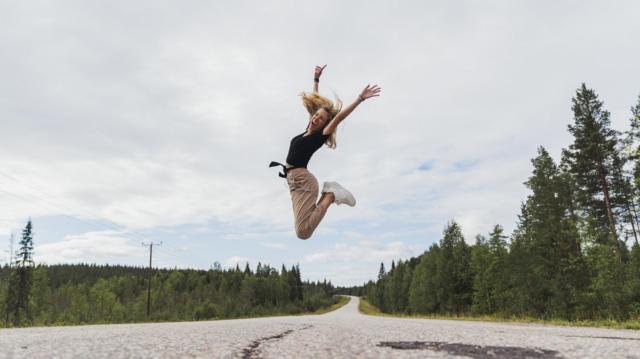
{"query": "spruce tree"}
[(622, 182), (553, 261), (633, 284), (426, 289), (454, 271), (381, 272), (567, 195), (407, 278), (480, 260), (19, 290), (401, 294), (518, 266), (298, 281)]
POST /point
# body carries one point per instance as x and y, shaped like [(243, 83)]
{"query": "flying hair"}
[(314, 101)]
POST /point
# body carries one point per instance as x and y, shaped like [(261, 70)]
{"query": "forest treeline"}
[(85, 294), (574, 254)]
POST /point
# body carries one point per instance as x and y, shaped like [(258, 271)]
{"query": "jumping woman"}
[(324, 118)]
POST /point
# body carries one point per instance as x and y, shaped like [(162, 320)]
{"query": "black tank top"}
[(303, 147)]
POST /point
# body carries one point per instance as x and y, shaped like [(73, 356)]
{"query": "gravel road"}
[(344, 333)]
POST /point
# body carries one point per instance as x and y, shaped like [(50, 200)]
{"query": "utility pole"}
[(150, 274)]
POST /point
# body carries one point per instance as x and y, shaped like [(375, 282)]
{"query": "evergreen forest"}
[(574, 254), (87, 294)]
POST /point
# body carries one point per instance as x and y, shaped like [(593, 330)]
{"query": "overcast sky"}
[(123, 122)]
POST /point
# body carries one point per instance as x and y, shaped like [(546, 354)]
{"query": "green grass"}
[(369, 309), (342, 300)]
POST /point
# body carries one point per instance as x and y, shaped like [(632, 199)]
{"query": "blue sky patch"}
[(464, 164), (425, 166)]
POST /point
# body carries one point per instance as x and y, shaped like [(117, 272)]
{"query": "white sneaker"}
[(342, 194)]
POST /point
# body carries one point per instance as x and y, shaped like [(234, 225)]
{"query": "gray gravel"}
[(344, 333)]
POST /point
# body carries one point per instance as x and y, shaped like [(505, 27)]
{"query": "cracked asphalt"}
[(344, 333)]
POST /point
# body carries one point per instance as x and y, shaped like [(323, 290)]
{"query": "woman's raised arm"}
[(368, 92), (316, 77)]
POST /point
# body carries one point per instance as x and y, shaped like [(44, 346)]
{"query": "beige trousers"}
[(303, 187)]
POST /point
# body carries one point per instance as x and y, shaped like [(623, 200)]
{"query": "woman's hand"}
[(318, 72), (369, 91)]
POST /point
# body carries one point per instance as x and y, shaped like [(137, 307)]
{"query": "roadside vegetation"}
[(90, 294), (573, 257), (365, 307), (342, 301)]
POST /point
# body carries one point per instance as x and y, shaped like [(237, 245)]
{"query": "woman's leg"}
[(326, 199), (303, 188)]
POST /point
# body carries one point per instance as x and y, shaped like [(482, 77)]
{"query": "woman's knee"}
[(302, 234)]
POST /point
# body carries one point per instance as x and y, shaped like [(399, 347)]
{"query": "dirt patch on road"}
[(475, 351)]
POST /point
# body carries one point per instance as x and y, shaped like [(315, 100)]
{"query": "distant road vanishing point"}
[(344, 333)]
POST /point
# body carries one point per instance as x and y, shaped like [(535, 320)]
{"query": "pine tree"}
[(592, 155), (634, 139), (633, 151)]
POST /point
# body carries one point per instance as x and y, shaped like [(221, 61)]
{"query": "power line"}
[(126, 233), (49, 206), (63, 207)]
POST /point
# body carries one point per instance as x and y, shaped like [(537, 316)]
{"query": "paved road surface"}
[(344, 333)]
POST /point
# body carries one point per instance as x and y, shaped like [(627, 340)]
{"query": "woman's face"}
[(318, 120)]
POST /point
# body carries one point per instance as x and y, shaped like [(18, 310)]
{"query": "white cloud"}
[(93, 247), (364, 251), (237, 260), (275, 245), (317, 257), (173, 121)]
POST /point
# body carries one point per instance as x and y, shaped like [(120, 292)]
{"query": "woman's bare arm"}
[(316, 75), (369, 91)]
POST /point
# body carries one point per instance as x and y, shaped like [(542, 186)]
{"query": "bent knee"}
[(303, 234)]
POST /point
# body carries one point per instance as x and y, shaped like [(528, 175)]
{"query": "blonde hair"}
[(314, 101)]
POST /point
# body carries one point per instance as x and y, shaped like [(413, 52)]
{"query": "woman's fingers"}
[(319, 69), (371, 91)]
